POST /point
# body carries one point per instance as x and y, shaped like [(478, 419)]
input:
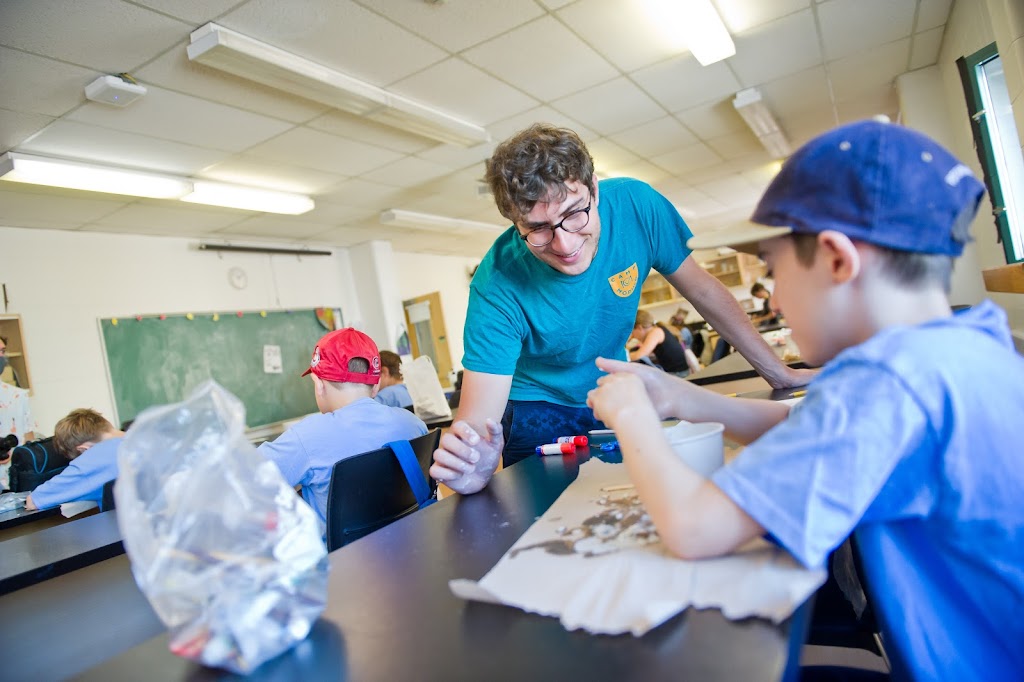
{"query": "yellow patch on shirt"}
[(623, 283)]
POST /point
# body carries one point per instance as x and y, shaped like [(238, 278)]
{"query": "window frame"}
[(969, 67)]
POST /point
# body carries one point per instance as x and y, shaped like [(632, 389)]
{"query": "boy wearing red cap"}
[(913, 452), (345, 370)]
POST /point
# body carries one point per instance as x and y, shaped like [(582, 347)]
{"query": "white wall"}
[(418, 274), (970, 28), (62, 282)]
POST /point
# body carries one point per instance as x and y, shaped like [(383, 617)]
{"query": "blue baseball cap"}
[(875, 182)]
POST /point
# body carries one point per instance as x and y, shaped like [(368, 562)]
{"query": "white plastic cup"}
[(699, 445)]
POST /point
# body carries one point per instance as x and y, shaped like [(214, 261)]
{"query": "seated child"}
[(916, 455), (345, 369), (91, 443), (391, 391)]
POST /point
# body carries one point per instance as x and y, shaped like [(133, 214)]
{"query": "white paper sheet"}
[(594, 561), (69, 509)]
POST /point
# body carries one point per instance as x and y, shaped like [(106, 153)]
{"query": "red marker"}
[(556, 449), (578, 441)]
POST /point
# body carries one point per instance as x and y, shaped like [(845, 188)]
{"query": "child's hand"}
[(663, 389), (618, 396)]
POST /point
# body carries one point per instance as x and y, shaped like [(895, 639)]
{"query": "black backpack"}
[(33, 463)]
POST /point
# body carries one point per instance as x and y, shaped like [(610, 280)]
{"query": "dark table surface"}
[(391, 616), (732, 366), (47, 553), (16, 517)]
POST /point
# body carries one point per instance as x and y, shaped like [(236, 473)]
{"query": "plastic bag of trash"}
[(229, 556)]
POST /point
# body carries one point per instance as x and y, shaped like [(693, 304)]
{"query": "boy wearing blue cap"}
[(911, 452), (346, 370)]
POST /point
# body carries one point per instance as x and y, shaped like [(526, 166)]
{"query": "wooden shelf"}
[(736, 269), (676, 300), (10, 328), (1006, 279)]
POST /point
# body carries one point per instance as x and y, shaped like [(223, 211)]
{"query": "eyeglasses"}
[(572, 222)]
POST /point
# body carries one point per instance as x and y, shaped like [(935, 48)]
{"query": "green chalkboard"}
[(153, 361)]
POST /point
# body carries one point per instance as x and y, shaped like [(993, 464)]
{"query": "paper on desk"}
[(595, 561), (69, 509)]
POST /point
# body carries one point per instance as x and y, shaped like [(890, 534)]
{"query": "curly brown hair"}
[(534, 165)]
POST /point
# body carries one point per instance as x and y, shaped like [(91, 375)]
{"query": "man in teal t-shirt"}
[(560, 288)]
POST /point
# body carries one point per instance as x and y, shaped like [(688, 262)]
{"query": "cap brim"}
[(743, 238), (308, 370)]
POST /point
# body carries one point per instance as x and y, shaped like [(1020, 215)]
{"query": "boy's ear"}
[(841, 254), (318, 385), (82, 447)]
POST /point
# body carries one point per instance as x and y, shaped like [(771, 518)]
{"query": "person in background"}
[(391, 391), (90, 441), (916, 456), (767, 315), (7, 374), (559, 288), (654, 339), (678, 321), (15, 414), (345, 371)]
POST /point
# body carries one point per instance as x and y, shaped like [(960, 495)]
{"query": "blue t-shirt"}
[(83, 479), (396, 395), (308, 451), (545, 328), (913, 439)]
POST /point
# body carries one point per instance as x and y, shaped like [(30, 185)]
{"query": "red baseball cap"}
[(334, 350)]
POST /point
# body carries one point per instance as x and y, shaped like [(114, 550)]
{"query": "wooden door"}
[(427, 334)]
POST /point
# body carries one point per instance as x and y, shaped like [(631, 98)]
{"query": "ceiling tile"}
[(38, 207), (338, 34), (363, 194), (852, 26), (867, 71), (735, 146), (682, 83), (182, 118), (105, 145), (880, 100), (457, 25), (932, 14), (336, 214), (776, 49), (642, 170), (406, 172), (165, 217), (464, 91), (708, 172), (742, 15), (542, 58), (139, 32), (925, 48), (174, 71), (455, 157), (506, 128), (193, 11), (655, 137), (442, 205), (324, 152), (730, 190), (797, 92), (609, 156), (344, 124), (16, 127), (250, 170), (610, 107), (709, 121), (687, 159), (623, 31), (37, 85), (275, 226)]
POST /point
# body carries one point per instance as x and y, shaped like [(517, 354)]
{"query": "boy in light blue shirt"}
[(345, 370), (916, 455), (91, 443), (391, 391)]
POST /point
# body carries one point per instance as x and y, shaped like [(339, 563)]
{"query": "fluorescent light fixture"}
[(435, 223), (40, 170), (227, 50), (762, 123), (91, 177), (248, 198), (697, 23)]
